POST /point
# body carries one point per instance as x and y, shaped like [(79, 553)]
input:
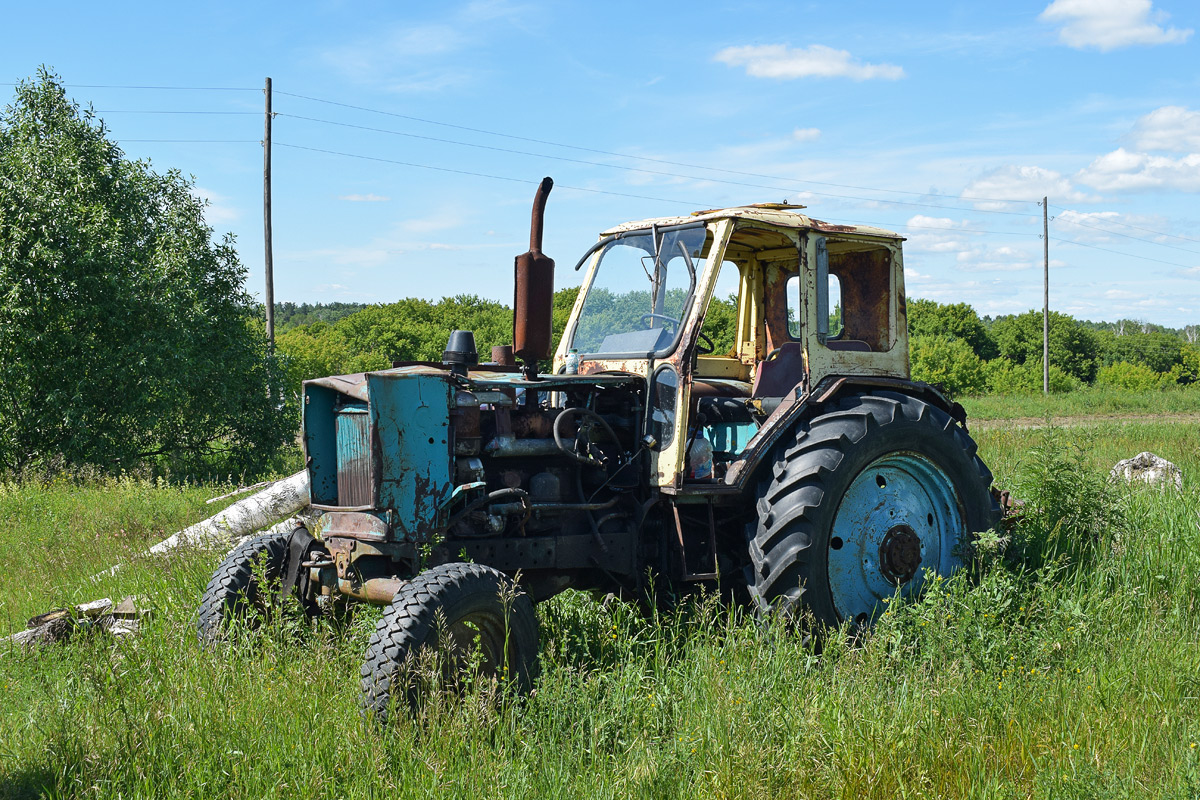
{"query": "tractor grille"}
[(354, 457)]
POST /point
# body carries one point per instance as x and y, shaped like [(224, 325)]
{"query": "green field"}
[(1088, 401), (1074, 672)]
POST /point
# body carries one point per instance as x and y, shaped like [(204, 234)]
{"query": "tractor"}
[(799, 471)]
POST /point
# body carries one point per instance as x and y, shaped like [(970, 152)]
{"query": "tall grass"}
[(1069, 674)]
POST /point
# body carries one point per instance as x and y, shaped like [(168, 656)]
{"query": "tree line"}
[(950, 344), (128, 340)]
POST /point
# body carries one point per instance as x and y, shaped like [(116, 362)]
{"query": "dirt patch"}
[(1078, 421)]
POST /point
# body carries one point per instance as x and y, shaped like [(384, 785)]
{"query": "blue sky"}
[(944, 121)]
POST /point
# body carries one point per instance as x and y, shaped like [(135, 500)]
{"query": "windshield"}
[(641, 291)]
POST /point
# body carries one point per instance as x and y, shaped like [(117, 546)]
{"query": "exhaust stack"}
[(533, 300)]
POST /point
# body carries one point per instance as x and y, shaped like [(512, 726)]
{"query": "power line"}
[(676, 202), (656, 160), (165, 88), (619, 166), (1138, 227), (1118, 252), (140, 111), (1124, 235), (197, 141)]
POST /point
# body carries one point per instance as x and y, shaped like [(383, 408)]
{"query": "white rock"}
[(1148, 468)]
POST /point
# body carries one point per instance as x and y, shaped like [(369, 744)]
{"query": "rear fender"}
[(798, 408)]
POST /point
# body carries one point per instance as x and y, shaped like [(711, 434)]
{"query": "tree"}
[(125, 332), (1072, 346), (955, 320), (1159, 351)]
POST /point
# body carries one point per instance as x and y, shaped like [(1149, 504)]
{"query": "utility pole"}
[(269, 263), (1045, 296)]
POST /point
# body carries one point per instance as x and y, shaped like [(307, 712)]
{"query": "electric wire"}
[(675, 202), (165, 88), (199, 141), (1059, 219), (658, 160), (142, 111), (1137, 227), (642, 170), (1118, 252)]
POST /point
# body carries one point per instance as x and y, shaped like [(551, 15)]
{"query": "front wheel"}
[(467, 616), (866, 500), (244, 587)]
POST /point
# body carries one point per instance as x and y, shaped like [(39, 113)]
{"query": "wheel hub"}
[(900, 554)]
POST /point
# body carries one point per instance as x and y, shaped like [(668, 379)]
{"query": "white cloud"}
[(364, 198), (217, 210), (992, 190), (1122, 170), (806, 134), (935, 234), (995, 259), (1110, 24), (1172, 128), (815, 61)]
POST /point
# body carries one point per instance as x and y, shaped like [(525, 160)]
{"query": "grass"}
[(1089, 401), (1072, 673)]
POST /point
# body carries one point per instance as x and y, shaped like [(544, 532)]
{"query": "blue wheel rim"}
[(899, 506)]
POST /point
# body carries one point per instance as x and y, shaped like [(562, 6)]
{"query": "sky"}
[(409, 138)]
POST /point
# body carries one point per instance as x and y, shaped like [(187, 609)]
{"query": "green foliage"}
[(1157, 351), (126, 333), (720, 324), (293, 315), (1073, 346), (948, 363), (953, 320), (1136, 377), (1070, 509), (1003, 376)]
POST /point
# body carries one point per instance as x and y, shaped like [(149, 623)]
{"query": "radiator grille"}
[(354, 457)]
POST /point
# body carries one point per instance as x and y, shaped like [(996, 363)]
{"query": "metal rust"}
[(533, 299), (469, 465)]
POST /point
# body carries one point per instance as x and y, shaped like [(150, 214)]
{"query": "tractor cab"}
[(733, 316)]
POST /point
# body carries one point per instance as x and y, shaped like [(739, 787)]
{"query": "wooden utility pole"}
[(269, 263), (1045, 296)]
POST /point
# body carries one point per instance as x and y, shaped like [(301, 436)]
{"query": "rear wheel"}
[(466, 617), (866, 500)]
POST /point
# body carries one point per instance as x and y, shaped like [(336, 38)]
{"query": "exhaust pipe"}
[(533, 300)]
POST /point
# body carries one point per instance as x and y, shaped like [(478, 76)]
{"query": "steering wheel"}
[(705, 346), (663, 317)]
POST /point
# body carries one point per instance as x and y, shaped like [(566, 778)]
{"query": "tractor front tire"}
[(865, 500), (452, 612), (235, 591)]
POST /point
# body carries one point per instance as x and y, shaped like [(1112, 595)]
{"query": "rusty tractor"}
[(801, 470)]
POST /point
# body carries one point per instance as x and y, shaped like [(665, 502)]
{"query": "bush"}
[(956, 321), (948, 363), (1006, 377), (1136, 377)]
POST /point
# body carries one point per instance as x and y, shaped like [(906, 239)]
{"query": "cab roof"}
[(781, 215)]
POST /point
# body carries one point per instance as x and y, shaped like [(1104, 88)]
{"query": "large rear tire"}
[(457, 611), (862, 502)]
